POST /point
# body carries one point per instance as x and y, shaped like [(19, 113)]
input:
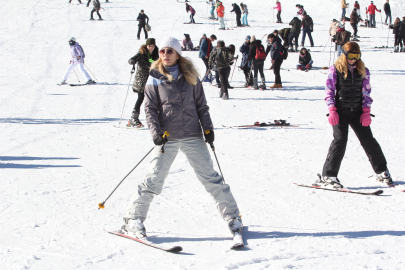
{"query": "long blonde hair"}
[(186, 67), (342, 65)]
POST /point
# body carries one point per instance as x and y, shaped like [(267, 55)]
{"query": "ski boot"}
[(384, 177), (225, 96), (90, 82), (134, 121), (302, 45), (291, 49), (63, 82), (135, 227), (396, 49), (220, 93), (235, 225), (263, 85), (255, 86), (329, 181)]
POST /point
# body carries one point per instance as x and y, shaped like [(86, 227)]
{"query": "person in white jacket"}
[(77, 60)]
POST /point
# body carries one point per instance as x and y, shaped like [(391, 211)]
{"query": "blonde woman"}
[(175, 102), (349, 102)]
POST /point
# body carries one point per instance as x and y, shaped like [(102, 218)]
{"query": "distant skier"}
[(221, 14), (401, 33), (245, 14), (96, 8), (246, 62), (205, 50), (278, 7), (387, 10), (344, 5), (187, 44), (258, 56), (143, 20), (238, 13), (305, 60), (212, 3), (397, 39), (192, 12), (300, 11), (348, 99), (77, 60), (77, 0), (148, 53), (307, 29), (276, 53), (175, 102), (294, 34), (88, 2), (354, 20), (371, 10), (341, 38)]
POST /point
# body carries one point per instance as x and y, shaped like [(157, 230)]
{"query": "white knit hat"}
[(72, 39), (171, 42)]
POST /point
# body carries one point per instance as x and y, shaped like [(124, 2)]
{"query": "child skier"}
[(305, 60)]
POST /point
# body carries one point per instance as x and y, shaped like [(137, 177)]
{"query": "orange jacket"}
[(221, 10)]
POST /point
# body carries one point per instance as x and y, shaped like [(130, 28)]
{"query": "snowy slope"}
[(60, 154)]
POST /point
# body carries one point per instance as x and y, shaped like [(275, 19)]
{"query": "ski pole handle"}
[(162, 150), (207, 131)]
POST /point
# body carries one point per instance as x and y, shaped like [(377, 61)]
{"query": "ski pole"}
[(324, 46), (207, 131), (123, 107), (382, 26), (234, 69), (330, 52), (76, 75), (102, 205), (90, 72)]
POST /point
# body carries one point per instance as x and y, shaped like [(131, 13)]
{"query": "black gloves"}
[(209, 138), (159, 140)]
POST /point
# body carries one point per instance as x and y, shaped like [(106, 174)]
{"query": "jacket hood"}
[(257, 42)]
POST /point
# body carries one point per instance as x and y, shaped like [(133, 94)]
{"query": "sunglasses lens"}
[(169, 51)]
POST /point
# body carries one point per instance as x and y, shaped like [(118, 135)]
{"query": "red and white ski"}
[(173, 249), (374, 193)]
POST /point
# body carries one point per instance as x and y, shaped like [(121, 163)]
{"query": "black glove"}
[(209, 138), (159, 140)]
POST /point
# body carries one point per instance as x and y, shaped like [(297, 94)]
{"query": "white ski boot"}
[(235, 225), (329, 181), (135, 227), (384, 177)]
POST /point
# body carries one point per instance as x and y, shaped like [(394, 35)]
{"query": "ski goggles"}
[(168, 51), (352, 55)]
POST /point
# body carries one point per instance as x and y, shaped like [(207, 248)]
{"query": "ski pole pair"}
[(101, 205)]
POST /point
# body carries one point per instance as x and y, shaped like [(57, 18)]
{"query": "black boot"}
[(134, 121)]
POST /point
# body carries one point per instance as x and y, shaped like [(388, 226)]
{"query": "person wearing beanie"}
[(143, 21), (175, 103), (371, 10), (278, 7), (147, 53), (238, 13), (77, 60), (246, 62), (348, 98), (354, 20), (258, 62), (276, 53)]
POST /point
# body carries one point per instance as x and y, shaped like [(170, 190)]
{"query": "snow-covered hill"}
[(60, 154)]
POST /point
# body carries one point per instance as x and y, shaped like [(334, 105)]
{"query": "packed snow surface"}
[(60, 154)]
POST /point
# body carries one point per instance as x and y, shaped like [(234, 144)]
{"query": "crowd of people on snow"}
[(169, 85)]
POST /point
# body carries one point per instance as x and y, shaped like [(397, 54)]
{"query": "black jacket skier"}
[(296, 25), (387, 8), (238, 13), (142, 72), (142, 17), (96, 8), (304, 59)]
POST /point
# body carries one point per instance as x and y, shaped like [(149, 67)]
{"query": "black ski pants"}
[(354, 26), (140, 27), (338, 146), (139, 101), (276, 69), (88, 3), (258, 68), (238, 22), (223, 76), (293, 36), (398, 40), (279, 17), (248, 75), (95, 10), (205, 60)]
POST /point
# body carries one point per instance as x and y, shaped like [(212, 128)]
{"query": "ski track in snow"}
[(60, 154)]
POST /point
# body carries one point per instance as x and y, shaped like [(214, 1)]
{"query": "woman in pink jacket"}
[(278, 7)]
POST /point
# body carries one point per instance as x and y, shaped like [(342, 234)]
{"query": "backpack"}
[(285, 53), (260, 53)]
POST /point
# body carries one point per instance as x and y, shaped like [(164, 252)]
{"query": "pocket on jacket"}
[(192, 122)]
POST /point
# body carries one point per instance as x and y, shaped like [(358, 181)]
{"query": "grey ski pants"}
[(199, 157)]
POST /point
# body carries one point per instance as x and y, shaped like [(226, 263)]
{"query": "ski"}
[(173, 249), (80, 84), (193, 23), (373, 193), (276, 123), (399, 187), (138, 128), (237, 242)]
